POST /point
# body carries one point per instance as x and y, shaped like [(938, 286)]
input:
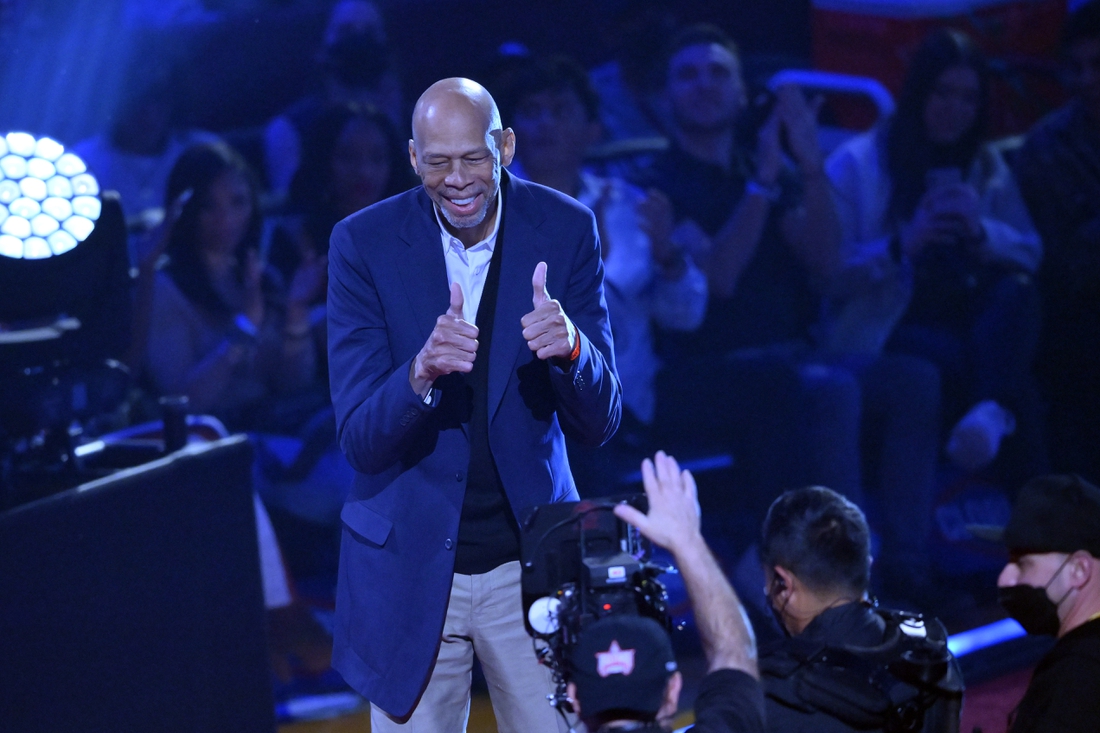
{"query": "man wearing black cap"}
[(622, 672), (1051, 585)]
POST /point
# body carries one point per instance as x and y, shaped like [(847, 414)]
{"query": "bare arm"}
[(673, 523)]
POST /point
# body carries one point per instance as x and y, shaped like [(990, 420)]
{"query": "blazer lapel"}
[(422, 268), (524, 247)]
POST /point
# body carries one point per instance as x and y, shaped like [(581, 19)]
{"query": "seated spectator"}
[(937, 235), (352, 157), (356, 67), (750, 378), (643, 694), (553, 110), (226, 333), (1059, 171), (816, 550), (1051, 586), (136, 155)]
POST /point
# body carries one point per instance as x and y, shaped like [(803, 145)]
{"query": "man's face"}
[(555, 130), (1084, 64), (458, 160), (705, 87), (1034, 569)]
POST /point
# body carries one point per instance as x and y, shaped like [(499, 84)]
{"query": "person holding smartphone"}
[(940, 253)]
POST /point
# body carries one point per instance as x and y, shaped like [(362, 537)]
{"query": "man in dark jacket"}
[(1051, 585), (455, 378), (817, 555)]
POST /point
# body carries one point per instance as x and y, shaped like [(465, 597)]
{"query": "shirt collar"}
[(490, 241)]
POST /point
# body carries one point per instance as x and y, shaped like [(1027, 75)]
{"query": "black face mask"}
[(1032, 607)]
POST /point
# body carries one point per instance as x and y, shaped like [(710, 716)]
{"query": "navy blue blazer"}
[(387, 286)]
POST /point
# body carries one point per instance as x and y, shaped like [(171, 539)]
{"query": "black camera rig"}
[(582, 563)]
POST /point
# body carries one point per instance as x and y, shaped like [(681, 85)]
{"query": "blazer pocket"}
[(365, 522)]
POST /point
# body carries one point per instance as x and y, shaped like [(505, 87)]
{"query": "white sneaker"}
[(976, 438)]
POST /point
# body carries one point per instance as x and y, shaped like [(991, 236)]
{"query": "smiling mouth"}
[(464, 206)]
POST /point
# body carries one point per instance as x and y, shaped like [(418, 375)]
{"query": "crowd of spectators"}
[(920, 297)]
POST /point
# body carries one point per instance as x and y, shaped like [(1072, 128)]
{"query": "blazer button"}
[(459, 477), (448, 544)]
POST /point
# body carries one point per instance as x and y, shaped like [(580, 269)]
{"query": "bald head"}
[(458, 149), (455, 97)]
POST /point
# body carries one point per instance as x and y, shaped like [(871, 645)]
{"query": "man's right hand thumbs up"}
[(457, 302), (451, 347)]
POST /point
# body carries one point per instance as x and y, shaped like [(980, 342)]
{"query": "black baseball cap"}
[(1056, 513), (622, 662)]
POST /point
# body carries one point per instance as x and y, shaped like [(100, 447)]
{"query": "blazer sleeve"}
[(589, 395), (378, 415)]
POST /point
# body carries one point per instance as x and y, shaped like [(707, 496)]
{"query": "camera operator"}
[(622, 671), (841, 667)]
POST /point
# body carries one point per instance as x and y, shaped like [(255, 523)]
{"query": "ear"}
[(783, 583), (507, 146), (412, 157), (571, 690), (1081, 569), (671, 703)]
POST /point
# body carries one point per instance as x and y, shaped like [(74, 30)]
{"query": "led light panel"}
[(49, 202)]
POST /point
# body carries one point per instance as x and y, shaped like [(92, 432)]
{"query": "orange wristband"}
[(576, 349)]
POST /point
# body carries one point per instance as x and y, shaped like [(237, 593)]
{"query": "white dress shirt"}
[(470, 266)]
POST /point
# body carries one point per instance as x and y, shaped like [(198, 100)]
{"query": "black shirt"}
[(1064, 694), (729, 700), (773, 301)]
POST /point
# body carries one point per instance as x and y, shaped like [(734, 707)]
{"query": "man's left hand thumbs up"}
[(538, 285), (548, 331)]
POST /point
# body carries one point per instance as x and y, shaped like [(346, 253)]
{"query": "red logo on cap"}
[(615, 661)]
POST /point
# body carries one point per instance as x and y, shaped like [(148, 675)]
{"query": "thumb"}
[(538, 284), (456, 301)]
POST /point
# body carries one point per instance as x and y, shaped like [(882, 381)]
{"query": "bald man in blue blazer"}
[(468, 334)]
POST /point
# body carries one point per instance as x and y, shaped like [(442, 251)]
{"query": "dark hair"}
[(197, 169), (1083, 24), (552, 74), (699, 34), (909, 152), (310, 189), (821, 537)]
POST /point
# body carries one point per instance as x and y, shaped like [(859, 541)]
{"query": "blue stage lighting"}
[(49, 202)]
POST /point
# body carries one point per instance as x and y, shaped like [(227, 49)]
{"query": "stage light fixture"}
[(49, 202)]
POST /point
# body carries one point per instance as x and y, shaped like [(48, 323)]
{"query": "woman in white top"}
[(940, 252)]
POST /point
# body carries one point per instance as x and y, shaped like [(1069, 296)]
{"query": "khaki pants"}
[(484, 617)]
